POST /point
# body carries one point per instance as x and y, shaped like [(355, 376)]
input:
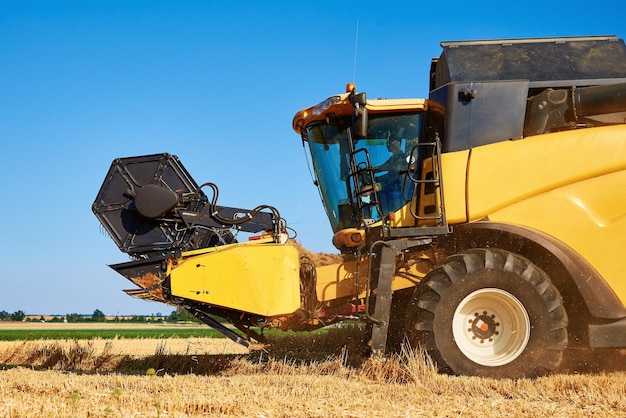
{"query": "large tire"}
[(490, 313)]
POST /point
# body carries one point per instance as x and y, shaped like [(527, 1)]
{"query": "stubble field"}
[(315, 375)]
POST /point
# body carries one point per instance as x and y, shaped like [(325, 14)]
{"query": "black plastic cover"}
[(152, 201), (544, 62)]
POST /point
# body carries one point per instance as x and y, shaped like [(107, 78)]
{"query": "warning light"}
[(350, 87), (392, 216)]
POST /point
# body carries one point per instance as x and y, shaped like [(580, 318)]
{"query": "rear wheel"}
[(489, 312)]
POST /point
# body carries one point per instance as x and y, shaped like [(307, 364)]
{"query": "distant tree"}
[(182, 315), (18, 316), (98, 316), (138, 318), (73, 317), (4, 316)]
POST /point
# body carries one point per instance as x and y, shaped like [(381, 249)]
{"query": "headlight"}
[(321, 107)]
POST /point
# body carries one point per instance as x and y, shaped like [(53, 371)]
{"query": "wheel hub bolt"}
[(483, 326)]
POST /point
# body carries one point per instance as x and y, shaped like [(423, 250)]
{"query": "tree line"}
[(178, 315), (15, 316)]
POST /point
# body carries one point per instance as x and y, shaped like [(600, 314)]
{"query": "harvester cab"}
[(373, 160)]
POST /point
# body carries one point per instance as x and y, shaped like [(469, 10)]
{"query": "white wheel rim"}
[(491, 327)]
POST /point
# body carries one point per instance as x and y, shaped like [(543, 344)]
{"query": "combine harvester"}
[(495, 275)]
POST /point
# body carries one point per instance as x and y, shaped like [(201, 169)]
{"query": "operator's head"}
[(394, 141), (395, 136)]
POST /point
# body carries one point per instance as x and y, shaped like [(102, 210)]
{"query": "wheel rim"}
[(491, 327)]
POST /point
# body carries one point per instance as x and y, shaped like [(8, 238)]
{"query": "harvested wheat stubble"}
[(170, 383), (400, 387)]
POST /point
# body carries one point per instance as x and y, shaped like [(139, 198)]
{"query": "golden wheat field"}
[(323, 376)]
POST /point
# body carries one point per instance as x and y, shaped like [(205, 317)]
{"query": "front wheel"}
[(491, 313)]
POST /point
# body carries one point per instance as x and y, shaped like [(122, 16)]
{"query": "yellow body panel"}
[(454, 167), (589, 216), (262, 279), (338, 281), (505, 173), (571, 185)]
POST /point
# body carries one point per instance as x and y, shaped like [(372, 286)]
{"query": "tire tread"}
[(421, 311)]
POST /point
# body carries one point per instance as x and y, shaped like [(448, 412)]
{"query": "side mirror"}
[(358, 99), (359, 117), (359, 123)]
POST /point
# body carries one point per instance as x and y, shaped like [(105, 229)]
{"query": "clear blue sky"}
[(216, 83)]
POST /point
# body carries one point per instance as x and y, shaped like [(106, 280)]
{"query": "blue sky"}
[(216, 83)]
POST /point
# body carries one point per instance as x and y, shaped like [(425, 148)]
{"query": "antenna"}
[(356, 44)]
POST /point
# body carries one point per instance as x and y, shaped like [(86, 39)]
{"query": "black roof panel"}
[(536, 60)]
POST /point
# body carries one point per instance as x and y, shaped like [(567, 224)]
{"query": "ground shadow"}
[(341, 346), (344, 346)]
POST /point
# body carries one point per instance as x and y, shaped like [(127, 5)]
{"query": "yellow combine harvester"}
[(528, 137)]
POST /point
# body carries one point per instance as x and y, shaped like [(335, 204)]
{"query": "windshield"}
[(389, 147)]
